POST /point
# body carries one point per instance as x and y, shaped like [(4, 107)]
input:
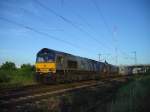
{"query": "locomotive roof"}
[(47, 50), (50, 51)]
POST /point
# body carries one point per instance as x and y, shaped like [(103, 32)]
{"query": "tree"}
[(27, 70), (27, 67), (8, 66)]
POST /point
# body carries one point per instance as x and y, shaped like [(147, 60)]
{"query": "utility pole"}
[(99, 57), (135, 57)]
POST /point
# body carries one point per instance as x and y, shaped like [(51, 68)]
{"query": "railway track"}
[(14, 97)]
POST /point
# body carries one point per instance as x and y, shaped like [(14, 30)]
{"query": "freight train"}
[(57, 67)]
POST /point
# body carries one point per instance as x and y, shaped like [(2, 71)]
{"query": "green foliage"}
[(7, 70), (10, 75), (26, 70), (8, 66), (27, 67), (5, 76)]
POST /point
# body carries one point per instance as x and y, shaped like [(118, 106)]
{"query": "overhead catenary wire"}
[(108, 29), (39, 32), (85, 22), (30, 13), (42, 33), (106, 25), (100, 44), (102, 16), (56, 38)]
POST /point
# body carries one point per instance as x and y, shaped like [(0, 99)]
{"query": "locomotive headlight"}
[(51, 69), (38, 69)]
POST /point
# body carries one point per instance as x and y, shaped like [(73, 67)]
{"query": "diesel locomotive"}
[(55, 66)]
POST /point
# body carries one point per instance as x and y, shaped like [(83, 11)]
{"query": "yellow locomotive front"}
[(45, 65)]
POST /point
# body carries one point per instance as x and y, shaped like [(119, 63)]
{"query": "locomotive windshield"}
[(45, 58)]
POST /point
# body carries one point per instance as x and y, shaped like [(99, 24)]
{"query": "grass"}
[(134, 97)]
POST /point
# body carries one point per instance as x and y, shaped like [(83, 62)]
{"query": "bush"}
[(7, 70), (9, 74), (8, 66), (27, 67), (5, 76), (26, 70)]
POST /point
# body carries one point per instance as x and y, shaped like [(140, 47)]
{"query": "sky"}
[(112, 28)]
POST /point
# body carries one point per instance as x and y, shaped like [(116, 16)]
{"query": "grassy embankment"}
[(10, 76), (133, 97)]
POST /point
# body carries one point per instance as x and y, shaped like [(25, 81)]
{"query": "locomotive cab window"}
[(45, 57), (72, 64)]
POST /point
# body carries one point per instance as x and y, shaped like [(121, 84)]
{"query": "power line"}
[(30, 13), (83, 20), (39, 32), (87, 24), (53, 37), (102, 16), (71, 23), (108, 29)]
